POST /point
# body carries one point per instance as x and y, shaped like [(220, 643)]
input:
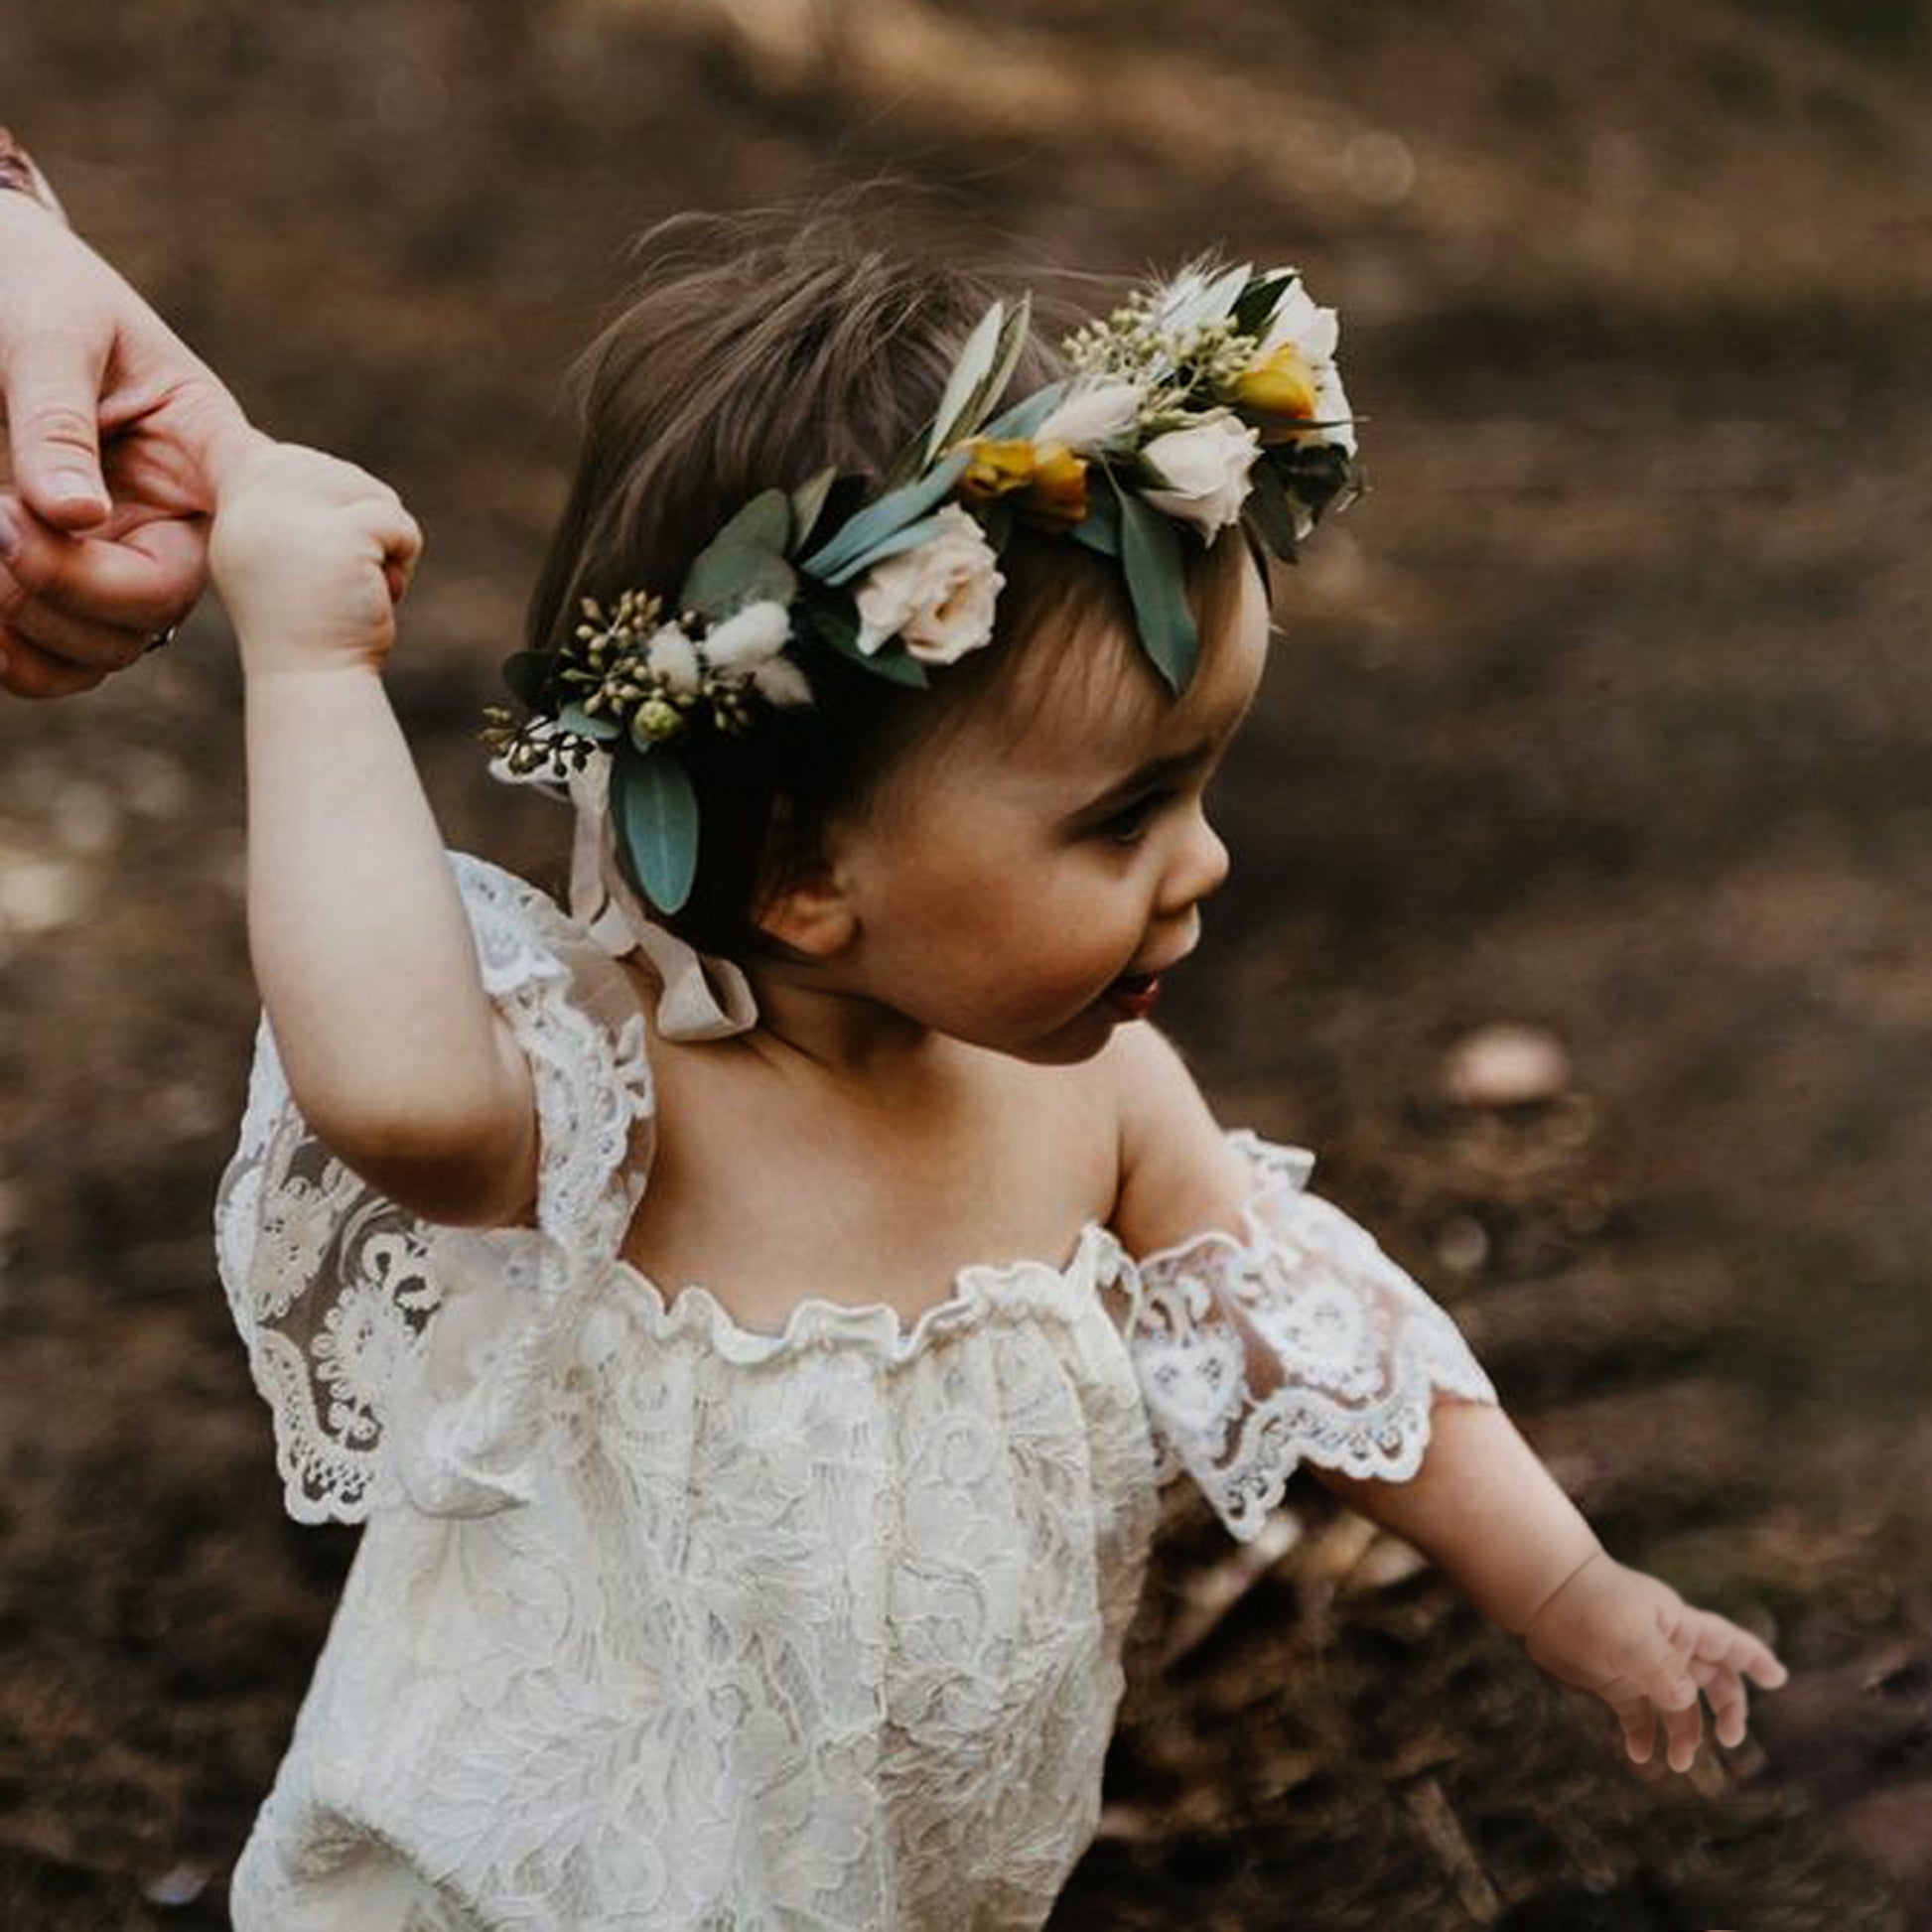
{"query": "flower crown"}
[(1206, 402)]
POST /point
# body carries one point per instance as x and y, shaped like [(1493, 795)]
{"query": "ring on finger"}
[(159, 638)]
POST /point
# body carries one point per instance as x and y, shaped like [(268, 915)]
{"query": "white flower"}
[(778, 681), (1205, 467), (1091, 413), (749, 637), (1314, 332), (936, 599), (673, 657)]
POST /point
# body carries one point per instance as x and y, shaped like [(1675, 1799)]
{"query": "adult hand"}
[(117, 435)]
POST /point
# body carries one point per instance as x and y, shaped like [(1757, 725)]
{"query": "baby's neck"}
[(840, 1034)]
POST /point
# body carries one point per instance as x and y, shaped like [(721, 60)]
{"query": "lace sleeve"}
[(399, 1358), (1297, 1341)]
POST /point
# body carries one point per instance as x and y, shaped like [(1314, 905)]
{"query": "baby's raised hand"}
[(1635, 1643), (311, 556)]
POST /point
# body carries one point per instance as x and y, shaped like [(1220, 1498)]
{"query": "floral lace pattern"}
[(333, 1286), (1301, 1342), (661, 1622)]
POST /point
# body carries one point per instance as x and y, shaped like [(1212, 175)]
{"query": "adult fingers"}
[(26, 622), (53, 390), (28, 672), (140, 582)]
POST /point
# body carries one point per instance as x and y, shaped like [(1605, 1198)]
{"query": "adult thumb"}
[(53, 387)]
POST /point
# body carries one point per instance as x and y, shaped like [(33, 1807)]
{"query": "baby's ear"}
[(802, 903)]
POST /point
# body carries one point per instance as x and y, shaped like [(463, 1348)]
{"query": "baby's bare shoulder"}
[(1179, 1176)]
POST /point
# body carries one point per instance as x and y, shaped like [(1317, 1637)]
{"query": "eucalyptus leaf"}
[(806, 502), (1150, 558), (1013, 340), (1025, 416), (968, 373), (909, 539), (1100, 529), (891, 661), (655, 814), (892, 512), (737, 565), (727, 577), (593, 723)]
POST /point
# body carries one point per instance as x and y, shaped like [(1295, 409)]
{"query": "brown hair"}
[(759, 349)]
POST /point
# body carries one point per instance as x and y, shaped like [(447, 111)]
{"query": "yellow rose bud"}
[(997, 468), (1279, 388), (1057, 497)]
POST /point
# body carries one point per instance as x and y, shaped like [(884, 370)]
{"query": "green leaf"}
[(1013, 340), (968, 374), (890, 661), (1258, 300), (1100, 529), (1271, 509), (744, 561), (573, 717), (1027, 415), (657, 818), (1151, 557), (910, 538), (806, 502), (528, 675), (892, 512), (996, 520)]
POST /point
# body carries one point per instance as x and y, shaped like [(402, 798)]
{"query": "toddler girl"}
[(751, 1310)]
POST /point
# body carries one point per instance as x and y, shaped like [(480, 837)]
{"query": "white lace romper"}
[(661, 1624)]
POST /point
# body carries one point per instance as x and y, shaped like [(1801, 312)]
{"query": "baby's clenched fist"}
[(311, 555)]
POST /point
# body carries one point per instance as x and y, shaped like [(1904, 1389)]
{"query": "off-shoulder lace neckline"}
[(876, 1327)]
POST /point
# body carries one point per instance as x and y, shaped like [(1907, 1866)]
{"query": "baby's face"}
[(1008, 879)]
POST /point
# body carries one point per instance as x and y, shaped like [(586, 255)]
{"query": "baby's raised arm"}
[(356, 928), (1480, 1505)]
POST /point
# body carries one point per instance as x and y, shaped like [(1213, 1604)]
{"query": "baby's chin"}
[(1078, 1038)]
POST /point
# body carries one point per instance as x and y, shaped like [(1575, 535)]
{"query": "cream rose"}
[(1205, 467), (936, 599)]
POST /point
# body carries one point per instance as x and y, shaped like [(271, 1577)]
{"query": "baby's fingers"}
[(401, 540), (1683, 1732), (1721, 1658), (1639, 1716)]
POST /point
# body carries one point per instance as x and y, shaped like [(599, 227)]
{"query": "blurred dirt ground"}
[(1604, 716)]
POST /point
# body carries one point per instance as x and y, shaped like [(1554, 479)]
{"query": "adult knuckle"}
[(60, 425)]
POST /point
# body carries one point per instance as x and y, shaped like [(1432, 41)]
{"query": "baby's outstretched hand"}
[(1635, 1643), (311, 556)]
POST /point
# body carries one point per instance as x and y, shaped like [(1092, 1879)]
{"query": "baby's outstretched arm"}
[(1491, 1517), (361, 946), (1479, 1503)]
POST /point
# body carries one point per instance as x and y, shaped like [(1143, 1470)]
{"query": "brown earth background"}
[(1605, 714)]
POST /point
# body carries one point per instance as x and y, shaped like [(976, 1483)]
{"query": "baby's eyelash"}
[(1125, 826)]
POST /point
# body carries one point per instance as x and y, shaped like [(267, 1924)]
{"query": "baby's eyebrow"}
[(1155, 771)]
